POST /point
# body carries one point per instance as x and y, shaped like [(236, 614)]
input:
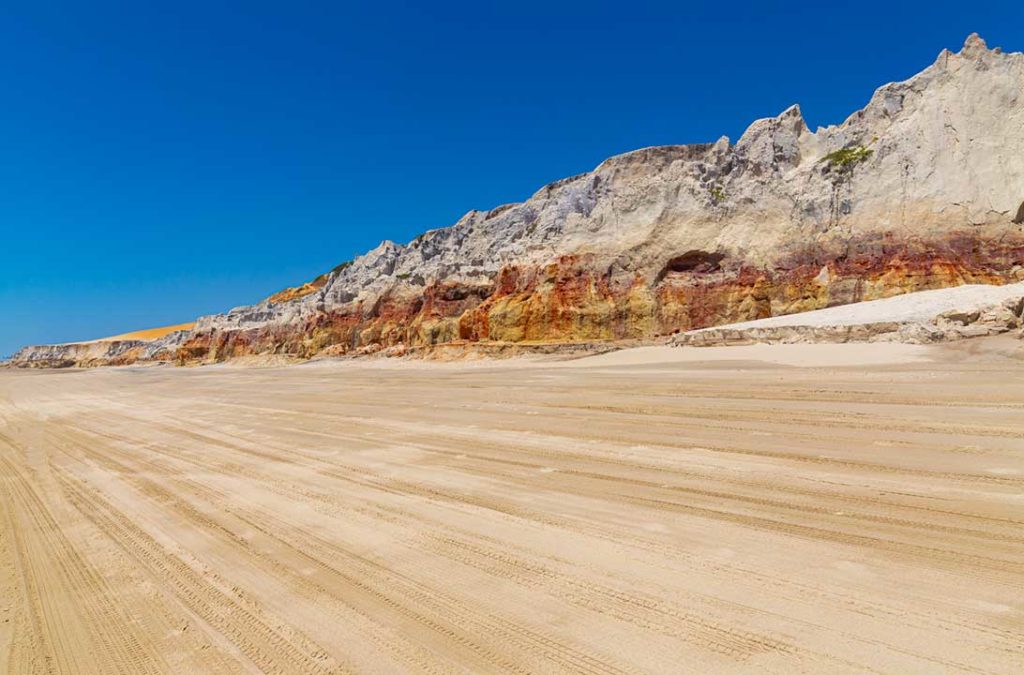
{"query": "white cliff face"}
[(946, 149), (938, 155)]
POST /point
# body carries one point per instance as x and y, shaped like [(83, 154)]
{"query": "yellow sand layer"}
[(149, 333)]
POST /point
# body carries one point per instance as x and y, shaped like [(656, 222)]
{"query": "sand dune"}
[(921, 306), (626, 513), (148, 333)]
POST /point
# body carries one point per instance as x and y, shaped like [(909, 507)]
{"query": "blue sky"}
[(158, 162)]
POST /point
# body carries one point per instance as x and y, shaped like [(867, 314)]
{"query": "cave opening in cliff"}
[(1020, 215), (693, 262)]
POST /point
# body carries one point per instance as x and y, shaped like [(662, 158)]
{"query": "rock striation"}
[(922, 189)]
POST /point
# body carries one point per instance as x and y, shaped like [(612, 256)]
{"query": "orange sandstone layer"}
[(574, 300)]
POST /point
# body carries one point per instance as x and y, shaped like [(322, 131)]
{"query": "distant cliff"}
[(923, 188)]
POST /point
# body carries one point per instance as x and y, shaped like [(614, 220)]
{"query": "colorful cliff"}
[(922, 189)]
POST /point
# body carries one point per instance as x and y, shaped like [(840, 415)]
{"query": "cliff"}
[(922, 189)]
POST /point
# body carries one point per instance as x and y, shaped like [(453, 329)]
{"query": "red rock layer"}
[(573, 299)]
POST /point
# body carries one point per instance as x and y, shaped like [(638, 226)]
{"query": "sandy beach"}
[(790, 508)]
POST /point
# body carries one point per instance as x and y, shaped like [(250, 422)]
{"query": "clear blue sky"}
[(157, 163)]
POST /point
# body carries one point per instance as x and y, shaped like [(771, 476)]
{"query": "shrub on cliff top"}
[(845, 159)]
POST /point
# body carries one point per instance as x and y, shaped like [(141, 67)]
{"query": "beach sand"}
[(787, 508)]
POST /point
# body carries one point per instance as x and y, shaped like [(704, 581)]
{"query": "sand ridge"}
[(622, 514), (149, 333)]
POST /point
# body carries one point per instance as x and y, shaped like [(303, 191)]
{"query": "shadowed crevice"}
[(693, 262), (1020, 215)]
